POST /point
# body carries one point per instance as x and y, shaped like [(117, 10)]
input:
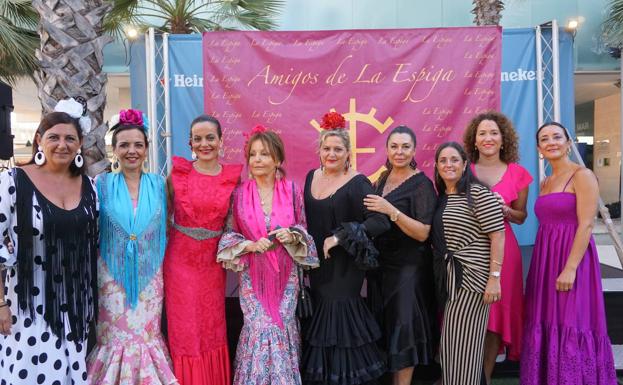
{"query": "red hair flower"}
[(255, 130), (131, 117), (333, 121)]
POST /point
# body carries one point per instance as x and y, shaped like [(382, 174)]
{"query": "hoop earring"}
[(79, 160), (541, 156), (193, 155), (145, 167), (39, 157), (115, 166)]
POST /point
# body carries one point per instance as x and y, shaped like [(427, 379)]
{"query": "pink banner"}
[(433, 80)]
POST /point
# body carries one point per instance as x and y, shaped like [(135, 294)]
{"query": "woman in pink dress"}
[(491, 143), (194, 282)]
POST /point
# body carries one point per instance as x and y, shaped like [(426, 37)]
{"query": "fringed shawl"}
[(69, 260), (269, 271), (132, 243)]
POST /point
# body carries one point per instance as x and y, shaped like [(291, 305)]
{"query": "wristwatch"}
[(394, 216), (495, 274)]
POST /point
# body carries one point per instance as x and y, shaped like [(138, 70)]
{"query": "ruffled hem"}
[(404, 349), (342, 366), (343, 323), (136, 364), (267, 354), (353, 238), (208, 368), (566, 356)]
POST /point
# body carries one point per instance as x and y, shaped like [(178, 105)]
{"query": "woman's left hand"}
[(493, 291), (283, 235), (566, 279), (379, 204)]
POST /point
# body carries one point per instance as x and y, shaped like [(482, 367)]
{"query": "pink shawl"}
[(269, 271)]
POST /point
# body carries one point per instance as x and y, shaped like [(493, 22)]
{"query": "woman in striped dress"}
[(468, 247)]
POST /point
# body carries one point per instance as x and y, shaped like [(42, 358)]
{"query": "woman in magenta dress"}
[(565, 340), (269, 239), (200, 193), (491, 144)]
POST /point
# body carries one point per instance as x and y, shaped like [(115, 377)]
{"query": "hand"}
[(283, 235), (5, 320), (565, 280), (493, 291), (500, 198), (378, 204), (260, 246), (329, 243), (9, 245)]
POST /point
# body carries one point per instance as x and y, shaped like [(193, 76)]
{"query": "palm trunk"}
[(71, 59), (487, 12)]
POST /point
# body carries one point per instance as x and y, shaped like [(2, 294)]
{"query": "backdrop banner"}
[(242, 92), (433, 80)]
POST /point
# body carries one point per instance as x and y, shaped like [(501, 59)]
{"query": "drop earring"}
[(39, 157), (114, 165), (221, 152), (193, 155), (79, 160)]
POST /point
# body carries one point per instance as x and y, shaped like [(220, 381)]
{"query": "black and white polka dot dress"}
[(34, 352)]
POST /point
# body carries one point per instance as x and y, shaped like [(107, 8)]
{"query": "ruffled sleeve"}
[(232, 243), (521, 176), (356, 238), (7, 218), (303, 250)]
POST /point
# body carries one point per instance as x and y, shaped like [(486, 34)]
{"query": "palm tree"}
[(188, 16), (72, 36), (18, 40), (487, 12), (613, 27)]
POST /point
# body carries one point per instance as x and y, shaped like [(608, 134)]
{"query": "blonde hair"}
[(344, 135)]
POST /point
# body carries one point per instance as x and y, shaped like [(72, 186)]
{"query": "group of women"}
[(442, 264)]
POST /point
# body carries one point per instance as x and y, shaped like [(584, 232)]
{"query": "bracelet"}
[(496, 262), (336, 239), (4, 304)]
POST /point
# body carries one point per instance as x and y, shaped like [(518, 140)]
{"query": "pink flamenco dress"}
[(506, 316), (194, 282)]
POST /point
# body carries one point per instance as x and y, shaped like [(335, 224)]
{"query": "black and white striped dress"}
[(462, 251)]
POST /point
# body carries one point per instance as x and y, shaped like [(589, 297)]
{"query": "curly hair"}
[(509, 152)]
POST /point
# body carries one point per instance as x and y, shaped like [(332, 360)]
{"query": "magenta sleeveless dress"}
[(565, 340)]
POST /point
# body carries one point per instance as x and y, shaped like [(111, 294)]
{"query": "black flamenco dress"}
[(402, 290), (339, 341)]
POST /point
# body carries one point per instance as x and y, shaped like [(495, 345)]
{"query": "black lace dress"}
[(339, 342), (401, 292)]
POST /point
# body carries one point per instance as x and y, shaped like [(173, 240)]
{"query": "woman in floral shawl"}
[(268, 240)]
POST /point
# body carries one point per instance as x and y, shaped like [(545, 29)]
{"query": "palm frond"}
[(613, 24), (17, 51), (20, 13)]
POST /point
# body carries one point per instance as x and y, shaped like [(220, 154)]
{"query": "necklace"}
[(265, 197)]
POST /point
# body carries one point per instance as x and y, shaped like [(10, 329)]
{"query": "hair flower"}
[(76, 110), (131, 117), (333, 121)]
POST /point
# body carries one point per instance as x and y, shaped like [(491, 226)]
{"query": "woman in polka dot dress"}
[(48, 220)]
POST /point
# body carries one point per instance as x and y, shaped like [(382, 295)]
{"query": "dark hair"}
[(564, 130), (126, 127), (273, 143), (50, 120), (207, 118), (402, 129), (467, 179), (509, 152)]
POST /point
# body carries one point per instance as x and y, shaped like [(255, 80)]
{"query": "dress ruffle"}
[(343, 349), (566, 356), (208, 368), (146, 364), (353, 238)]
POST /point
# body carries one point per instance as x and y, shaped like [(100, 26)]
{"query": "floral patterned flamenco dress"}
[(130, 348), (269, 344), (194, 282)]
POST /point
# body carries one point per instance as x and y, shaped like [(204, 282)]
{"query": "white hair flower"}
[(74, 109)]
